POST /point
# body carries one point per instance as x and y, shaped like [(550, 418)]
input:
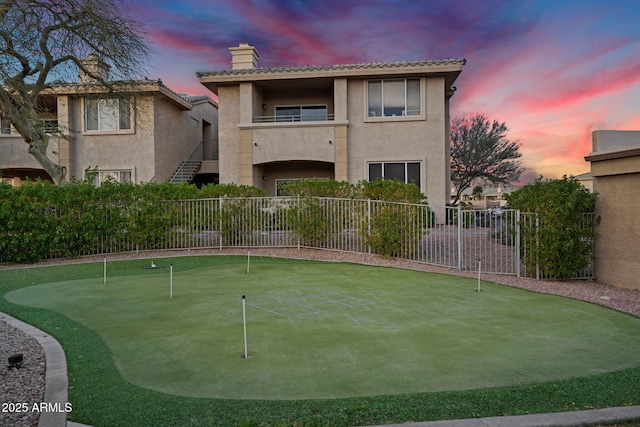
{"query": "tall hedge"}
[(39, 220), (388, 228), (560, 242)]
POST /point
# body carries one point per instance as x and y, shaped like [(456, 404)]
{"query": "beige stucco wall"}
[(617, 243), (293, 142), (132, 150), (405, 139), (228, 134), (615, 167), (178, 134), (14, 153)]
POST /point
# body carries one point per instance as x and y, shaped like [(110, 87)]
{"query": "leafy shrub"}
[(560, 243), (39, 220), (318, 188), (390, 191)]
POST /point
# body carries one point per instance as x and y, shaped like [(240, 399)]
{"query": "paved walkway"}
[(57, 387)]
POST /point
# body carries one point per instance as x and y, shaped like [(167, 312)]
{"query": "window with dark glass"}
[(304, 113), (5, 125), (407, 172)]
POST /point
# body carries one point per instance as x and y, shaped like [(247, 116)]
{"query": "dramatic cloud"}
[(553, 71)]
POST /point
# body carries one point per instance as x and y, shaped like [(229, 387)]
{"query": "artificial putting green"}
[(326, 330)]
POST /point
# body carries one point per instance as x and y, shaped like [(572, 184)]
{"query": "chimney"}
[(96, 67), (244, 57)]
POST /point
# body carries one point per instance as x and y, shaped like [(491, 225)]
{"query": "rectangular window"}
[(393, 98), (407, 172), (5, 126), (107, 114), (283, 181), (113, 175), (301, 113)]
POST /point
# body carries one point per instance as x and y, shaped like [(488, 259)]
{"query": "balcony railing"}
[(50, 127), (293, 118)]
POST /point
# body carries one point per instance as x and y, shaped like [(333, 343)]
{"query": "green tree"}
[(477, 192), (43, 42), (480, 149), (561, 241)]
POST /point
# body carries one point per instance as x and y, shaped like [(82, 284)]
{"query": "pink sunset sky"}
[(553, 71)]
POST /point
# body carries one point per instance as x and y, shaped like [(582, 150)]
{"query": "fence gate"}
[(463, 239)]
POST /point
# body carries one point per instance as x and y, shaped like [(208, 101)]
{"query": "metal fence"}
[(467, 240)]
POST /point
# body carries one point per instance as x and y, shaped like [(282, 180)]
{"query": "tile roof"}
[(311, 68), (193, 99)]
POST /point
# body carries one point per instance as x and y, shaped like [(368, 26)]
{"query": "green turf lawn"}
[(329, 330)]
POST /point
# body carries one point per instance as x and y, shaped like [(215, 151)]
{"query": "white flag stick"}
[(244, 323)]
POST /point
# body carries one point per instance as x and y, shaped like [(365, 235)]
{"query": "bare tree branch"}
[(44, 41), (480, 150)]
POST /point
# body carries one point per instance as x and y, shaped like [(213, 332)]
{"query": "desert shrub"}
[(318, 188), (560, 242)]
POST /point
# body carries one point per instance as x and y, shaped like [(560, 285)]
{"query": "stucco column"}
[(246, 157), (65, 145), (340, 153), (340, 131)]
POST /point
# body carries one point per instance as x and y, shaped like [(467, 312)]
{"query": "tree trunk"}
[(38, 142), (39, 152)]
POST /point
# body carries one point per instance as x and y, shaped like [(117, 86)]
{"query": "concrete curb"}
[(590, 417), (56, 386)]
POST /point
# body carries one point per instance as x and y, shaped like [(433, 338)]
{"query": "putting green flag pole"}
[(244, 323), (170, 281), (105, 271), (479, 263), (248, 260)]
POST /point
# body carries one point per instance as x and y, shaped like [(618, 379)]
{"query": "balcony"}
[(279, 143), (292, 118), (50, 127)]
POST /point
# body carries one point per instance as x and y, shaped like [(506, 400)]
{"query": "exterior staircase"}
[(185, 172)]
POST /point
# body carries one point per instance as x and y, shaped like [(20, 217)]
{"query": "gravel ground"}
[(20, 388), (26, 385)]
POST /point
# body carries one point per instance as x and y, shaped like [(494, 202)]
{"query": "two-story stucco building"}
[(344, 122), (139, 132)]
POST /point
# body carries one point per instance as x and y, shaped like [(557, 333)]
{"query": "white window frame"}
[(368, 117), (120, 175), (105, 101)]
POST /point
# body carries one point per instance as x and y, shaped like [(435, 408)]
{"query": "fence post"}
[(517, 243), (369, 225), (460, 252), (220, 223), (298, 225), (537, 247)]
